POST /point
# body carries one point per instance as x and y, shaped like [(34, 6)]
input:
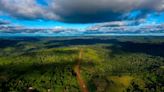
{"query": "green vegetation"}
[(109, 64)]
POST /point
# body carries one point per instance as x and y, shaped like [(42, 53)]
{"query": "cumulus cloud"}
[(3, 22), (22, 29), (117, 27), (125, 28), (81, 11), (26, 9), (115, 24)]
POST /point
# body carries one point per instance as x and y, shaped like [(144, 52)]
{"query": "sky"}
[(81, 17)]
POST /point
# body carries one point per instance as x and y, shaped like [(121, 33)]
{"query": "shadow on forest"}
[(80, 42), (12, 42), (147, 48), (7, 43), (117, 46)]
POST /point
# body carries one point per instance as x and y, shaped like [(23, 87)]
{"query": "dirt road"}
[(80, 80)]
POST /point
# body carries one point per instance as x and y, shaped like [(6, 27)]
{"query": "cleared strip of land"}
[(80, 80)]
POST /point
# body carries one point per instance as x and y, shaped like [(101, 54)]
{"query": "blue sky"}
[(81, 16), (39, 23)]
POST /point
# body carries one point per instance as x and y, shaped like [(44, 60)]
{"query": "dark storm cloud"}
[(81, 11), (104, 10)]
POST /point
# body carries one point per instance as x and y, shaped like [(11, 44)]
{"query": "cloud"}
[(116, 24), (27, 30), (81, 11), (116, 27), (26, 9), (85, 11), (125, 28), (3, 22)]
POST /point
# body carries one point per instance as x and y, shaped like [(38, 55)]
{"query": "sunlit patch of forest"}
[(109, 64)]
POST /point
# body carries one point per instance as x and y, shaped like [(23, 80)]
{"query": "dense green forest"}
[(108, 64)]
